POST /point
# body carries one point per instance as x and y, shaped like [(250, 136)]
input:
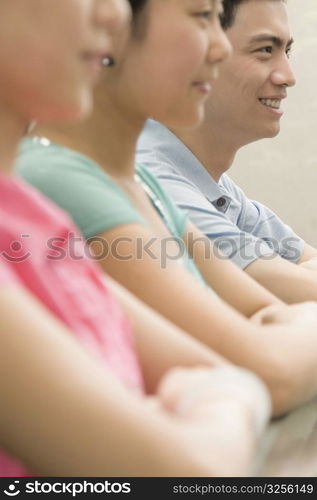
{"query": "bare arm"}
[(292, 283), (308, 254), (64, 414), (308, 259), (160, 344), (284, 355), (228, 280)]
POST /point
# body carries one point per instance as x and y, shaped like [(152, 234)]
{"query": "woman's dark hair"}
[(137, 5), (229, 12), (139, 22)]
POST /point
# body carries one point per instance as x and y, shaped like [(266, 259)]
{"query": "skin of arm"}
[(292, 283), (64, 414), (159, 343), (283, 354), (308, 259), (308, 254), (225, 278)]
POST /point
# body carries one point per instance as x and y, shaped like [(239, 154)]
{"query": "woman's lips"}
[(203, 87)]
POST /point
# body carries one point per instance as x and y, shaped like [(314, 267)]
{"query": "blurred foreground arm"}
[(64, 414)]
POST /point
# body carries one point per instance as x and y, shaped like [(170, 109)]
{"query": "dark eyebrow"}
[(213, 4), (276, 40)]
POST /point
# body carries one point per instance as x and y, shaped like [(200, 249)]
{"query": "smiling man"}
[(246, 105)]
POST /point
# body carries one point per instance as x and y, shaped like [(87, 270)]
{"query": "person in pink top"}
[(79, 395), (93, 313)]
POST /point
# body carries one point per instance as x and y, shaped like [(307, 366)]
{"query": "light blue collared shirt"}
[(243, 229)]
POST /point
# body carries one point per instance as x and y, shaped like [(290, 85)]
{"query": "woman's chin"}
[(185, 120)]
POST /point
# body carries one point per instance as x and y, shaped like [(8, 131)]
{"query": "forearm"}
[(309, 253), (286, 357), (160, 344), (238, 342), (310, 264), (291, 283), (180, 298), (222, 329), (64, 414), (231, 283), (260, 350)]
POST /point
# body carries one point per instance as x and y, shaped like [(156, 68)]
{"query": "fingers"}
[(191, 392)]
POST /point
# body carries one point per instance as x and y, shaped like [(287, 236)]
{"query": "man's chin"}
[(269, 132), (274, 132)]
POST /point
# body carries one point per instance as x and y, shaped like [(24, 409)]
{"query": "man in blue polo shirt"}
[(245, 106)]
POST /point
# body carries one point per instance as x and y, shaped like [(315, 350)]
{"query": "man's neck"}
[(211, 147), (12, 128)]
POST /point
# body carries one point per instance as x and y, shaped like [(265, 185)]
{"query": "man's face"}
[(246, 101)]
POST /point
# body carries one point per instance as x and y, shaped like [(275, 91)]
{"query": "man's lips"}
[(273, 101)]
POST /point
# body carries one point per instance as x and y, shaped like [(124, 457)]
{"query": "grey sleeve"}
[(261, 222), (239, 244)]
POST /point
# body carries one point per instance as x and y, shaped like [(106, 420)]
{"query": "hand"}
[(218, 414), (289, 353), (195, 393), (305, 312)]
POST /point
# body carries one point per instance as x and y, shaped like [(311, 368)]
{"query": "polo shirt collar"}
[(161, 138)]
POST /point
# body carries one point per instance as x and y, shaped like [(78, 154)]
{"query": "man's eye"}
[(267, 50), (288, 52)]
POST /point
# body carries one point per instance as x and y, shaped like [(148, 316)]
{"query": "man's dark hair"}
[(230, 8)]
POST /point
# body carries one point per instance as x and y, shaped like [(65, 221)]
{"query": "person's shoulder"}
[(20, 196), (228, 183), (80, 187), (154, 147), (40, 156), (232, 187), (178, 216), (145, 174), (157, 161), (26, 216), (151, 180), (59, 171)]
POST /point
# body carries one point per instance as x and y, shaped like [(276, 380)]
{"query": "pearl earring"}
[(108, 61)]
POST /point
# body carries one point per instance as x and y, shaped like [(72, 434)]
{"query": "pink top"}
[(41, 249)]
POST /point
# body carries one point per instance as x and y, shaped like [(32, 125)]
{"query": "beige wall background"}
[(282, 172)]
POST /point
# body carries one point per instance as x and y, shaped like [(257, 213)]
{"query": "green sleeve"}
[(78, 185)]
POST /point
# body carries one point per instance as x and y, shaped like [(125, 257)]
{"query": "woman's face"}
[(50, 52), (171, 60)]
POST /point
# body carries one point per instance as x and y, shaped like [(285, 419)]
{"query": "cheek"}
[(190, 59), (179, 59), (252, 80), (42, 78), (52, 97), (158, 77)]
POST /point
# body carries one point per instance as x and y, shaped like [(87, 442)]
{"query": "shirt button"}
[(221, 202)]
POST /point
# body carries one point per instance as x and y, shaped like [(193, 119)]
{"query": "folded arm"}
[(65, 414), (284, 355)]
